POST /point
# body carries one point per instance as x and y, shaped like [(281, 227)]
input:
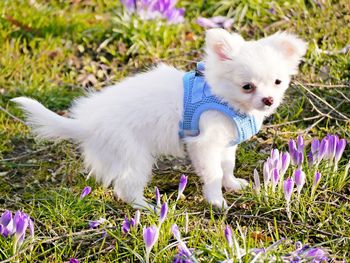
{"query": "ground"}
[(55, 50)]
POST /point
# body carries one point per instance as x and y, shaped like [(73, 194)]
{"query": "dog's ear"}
[(222, 44), (290, 46)]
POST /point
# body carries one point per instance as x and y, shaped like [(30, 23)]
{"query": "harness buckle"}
[(199, 73)]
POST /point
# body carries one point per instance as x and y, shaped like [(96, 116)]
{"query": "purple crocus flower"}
[(16, 225), (150, 236), (312, 156), (177, 235), (6, 224), (315, 254), (175, 15), (130, 5), (96, 223), (288, 189), (182, 185), (86, 191), (130, 223), (183, 255), (163, 212), (296, 151), (73, 260), (21, 223), (127, 224), (299, 178), (228, 236), (215, 22), (152, 9)]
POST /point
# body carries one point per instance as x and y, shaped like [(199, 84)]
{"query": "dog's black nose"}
[(268, 101)]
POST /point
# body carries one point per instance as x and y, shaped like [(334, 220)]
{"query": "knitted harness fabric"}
[(198, 99)]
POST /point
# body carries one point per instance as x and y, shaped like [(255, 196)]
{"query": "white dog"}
[(125, 127)]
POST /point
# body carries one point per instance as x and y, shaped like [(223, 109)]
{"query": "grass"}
[(54, 50)]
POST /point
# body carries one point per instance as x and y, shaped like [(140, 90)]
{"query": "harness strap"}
[(198, 98)]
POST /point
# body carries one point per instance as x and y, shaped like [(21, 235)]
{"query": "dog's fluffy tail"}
[(47, 124)]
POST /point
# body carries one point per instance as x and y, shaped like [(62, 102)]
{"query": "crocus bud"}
[(228, 236), (339, 150), (323, 149), (157, 197), (21, 224), (315, 146), (300, 159), (272, 163), (300, 143), (285, 163), (6, 224), (329, 152), (316, 254), (137, 217), (150, 236), (288, 189), (275, 154), (85, 192), (6, 218), (299, 178), (267, 174), (176, 232), (163, 212), (317, 178), (292, 147), (182, 185), (275, 178), (31, 226), (310, 159), (96, 223), (256, 181), (126, 225), (184, 254)]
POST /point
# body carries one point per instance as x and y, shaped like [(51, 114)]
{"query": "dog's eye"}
[(249, 87), (278, 81)]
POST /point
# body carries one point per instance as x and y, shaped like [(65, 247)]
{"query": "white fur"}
[(125, 127)]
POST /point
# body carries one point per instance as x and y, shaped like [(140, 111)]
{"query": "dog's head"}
[(251, 75)]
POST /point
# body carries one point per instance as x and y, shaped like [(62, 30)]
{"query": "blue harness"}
[(198, 99)]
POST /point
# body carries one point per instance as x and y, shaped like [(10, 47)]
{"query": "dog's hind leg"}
[(130, 183)]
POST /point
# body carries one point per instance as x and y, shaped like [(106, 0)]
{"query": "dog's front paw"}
[(218, 203), (233, 184)]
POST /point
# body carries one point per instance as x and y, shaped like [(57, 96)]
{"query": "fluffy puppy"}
[(123, 128)]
